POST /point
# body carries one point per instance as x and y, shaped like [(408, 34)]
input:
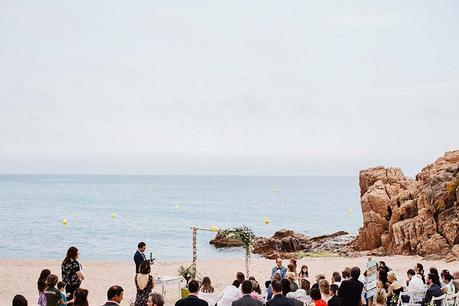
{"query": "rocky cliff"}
[(406, 216)]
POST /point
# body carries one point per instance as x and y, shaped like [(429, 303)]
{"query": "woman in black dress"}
[(71, 272), (144, 284)]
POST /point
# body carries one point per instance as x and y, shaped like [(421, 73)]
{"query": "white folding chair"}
[(452, 299), (210, 298), (411, 301), (441, 299)]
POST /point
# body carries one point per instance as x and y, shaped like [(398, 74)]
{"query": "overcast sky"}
[(227, 87)]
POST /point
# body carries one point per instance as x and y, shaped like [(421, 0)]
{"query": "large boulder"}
[(411, 217)]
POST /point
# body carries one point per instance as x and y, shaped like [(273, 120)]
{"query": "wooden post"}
[(193, 265)]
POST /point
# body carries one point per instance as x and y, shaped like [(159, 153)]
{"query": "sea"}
[(106, 216)]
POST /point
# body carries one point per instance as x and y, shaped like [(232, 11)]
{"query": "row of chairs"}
[(414, 299)]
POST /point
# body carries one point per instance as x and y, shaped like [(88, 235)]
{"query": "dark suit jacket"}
[(109, 303), (433, 291), (191, 300), (280, 300), (350, 292), (334, 301), (138, 258), (247, 300)]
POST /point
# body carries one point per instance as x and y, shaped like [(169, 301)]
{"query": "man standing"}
[(246, 299), (279, 268), (139, 255), (433, 291), (114, 296), (192, 299), (350, 291), (278, 298)]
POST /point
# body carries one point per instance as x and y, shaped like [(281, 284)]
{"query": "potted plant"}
[(188, 273)]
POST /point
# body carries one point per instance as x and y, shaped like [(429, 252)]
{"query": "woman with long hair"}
[(72, 275), (144, 284), (206, 286), (41, 286), (81, 297)]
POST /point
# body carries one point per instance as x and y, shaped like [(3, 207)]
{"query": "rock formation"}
[(405, 216), (287, 243)]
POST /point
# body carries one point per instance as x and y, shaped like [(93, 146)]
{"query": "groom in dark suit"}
[(139, 256)]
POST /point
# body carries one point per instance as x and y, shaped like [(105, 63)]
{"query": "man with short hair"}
[(278, 298), (246, 299), (269, 290), (139, 255), (279, 268), (350, 291), (52, 294), (336, 279), (433, 291), (334, 300), (192, 299), (114, 296)]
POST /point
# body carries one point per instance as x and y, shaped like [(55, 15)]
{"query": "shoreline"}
[(19, 276)]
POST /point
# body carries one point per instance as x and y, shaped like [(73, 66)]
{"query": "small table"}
[(164, 280)]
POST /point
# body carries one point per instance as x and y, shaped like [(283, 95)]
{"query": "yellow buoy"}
[(213, 228), (265, 220), (65, 221), (114, 215)]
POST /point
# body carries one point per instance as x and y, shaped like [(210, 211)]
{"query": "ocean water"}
[(160, 211)]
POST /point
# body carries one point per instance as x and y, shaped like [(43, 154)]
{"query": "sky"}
[(227, 87)]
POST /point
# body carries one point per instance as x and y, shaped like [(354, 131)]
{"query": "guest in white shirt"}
[(229, 294), (414, 283)]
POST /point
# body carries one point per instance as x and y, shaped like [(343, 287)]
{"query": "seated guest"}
[(394, 290), (447, 280), (350, 291), (317, 298), (318, 278), (302, 292), (382, 276), (419, 269), (383, 267), (81, 297), (255, 295), (279, 268), (246, 299), (61, 288), (240, 277), (229, 294), (433, 291), (256, 286), (291, 277), (278, 298), (114, 296), (206, 286), (414, 283), (435, 271), (380, 298), (336, 278), (19, 300), (456, 280), (346, 274), (155, 299), (276, 276), (192, 299), (334, 299), (324, 287)]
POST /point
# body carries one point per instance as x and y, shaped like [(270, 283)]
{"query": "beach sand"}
[(20, 276)]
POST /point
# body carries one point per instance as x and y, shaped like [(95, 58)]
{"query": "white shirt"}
[(228, 296), (416, 284)]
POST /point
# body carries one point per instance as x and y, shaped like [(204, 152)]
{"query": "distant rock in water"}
[(411, 217), (286, 243)]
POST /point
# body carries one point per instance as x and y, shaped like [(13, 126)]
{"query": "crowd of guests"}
[(287, 286)]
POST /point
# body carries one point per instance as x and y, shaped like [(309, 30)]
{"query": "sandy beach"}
[(19, 276)]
